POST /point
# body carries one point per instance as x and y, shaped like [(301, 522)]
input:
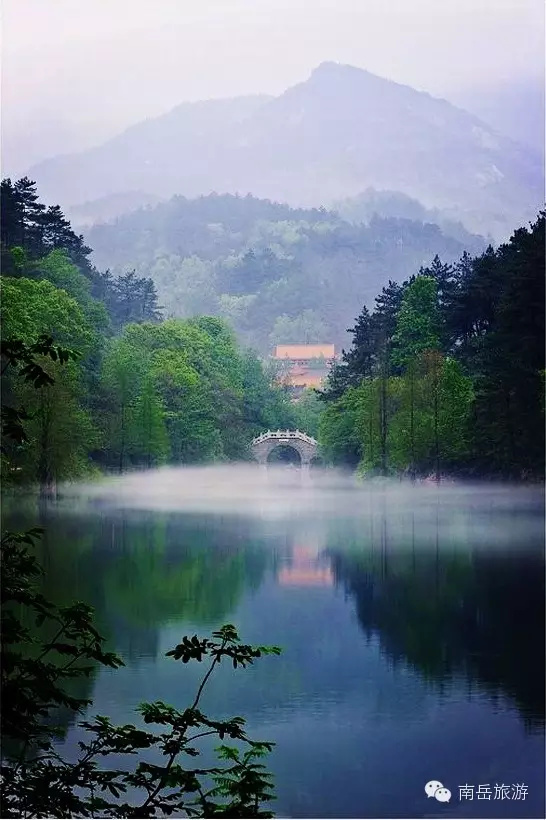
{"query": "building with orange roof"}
[(304, 366)]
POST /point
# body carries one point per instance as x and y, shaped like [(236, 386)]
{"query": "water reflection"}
[(449, 612), (412, 621)]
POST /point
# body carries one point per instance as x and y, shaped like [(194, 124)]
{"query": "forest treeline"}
[(446, 373), (143, 391), (276, 274)]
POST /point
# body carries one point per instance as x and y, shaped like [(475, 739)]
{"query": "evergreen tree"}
[(360, 359), (508, 422), (387, 305), (336, 383), (134, 299), (442, 274)]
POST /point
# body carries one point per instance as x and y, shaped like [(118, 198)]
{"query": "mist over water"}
[(410, 616), (500, 515), (242, 488)]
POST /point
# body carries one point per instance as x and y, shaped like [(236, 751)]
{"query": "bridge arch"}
[(284, 454), (263, 446)]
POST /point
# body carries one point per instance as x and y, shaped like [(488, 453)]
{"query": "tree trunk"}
[(412, 425), (46, 476), (122, 439), (436, 422), (383, 419)]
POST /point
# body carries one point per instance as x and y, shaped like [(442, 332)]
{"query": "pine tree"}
[(360, 359), (508, 432)]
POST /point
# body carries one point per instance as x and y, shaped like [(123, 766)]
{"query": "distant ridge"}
[(341, 131)]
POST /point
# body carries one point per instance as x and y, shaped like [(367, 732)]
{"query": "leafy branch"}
[(38, 782), (22, 357)]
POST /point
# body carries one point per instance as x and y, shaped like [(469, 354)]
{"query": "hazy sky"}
[(81, 69)]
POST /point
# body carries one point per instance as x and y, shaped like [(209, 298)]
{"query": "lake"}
[(411, 621)]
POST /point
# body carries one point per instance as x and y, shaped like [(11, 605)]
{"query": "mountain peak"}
[(342, 130), (332, 70)]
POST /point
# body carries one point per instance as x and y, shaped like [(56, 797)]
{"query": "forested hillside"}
[(139, 391), (277, 274), (446, 374), (393, 204)]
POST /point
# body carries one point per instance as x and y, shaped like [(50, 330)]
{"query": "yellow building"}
[(304, 366)]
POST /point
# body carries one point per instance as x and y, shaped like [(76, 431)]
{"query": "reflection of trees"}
[(142, 570), (477, 614), (59, 560), (165, 570)]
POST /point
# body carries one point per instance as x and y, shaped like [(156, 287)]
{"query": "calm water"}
[(411, 622)]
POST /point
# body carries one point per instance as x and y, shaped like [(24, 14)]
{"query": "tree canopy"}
[(447, 373)]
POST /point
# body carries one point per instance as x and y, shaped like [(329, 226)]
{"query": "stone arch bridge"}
[(304, 445)]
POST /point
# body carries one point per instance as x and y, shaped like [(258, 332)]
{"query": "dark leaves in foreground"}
[(149, 775)]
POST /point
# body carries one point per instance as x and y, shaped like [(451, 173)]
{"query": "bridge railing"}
[(284, 434)]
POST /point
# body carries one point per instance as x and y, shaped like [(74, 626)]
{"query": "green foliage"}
[(189, 283), (418, 321), (22, 356), (446, 373), (308, 410), (506, 350), (306, 328), (452, 397), (27, 224), (46, 649), (368, 424), (24, 359), (50, 416), (339, 439), (265, 405), (184, 387), (121, 374), (278, 274), (59, 431), (187, 379), (119, 771), (151, 440), (428, 429), (31, 309), (57, 268), (38, 242)]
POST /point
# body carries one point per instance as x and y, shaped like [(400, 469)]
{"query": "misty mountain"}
[(338, 133), (515, 109), (276, 273), (393, 204), (109, 207)]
